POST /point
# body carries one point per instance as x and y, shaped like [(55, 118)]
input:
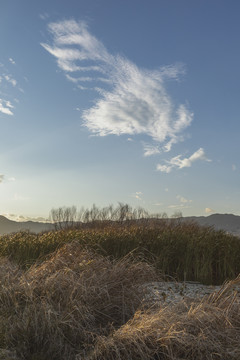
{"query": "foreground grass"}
[(207, 329), (182, 250), (57, 309), (80, 305)]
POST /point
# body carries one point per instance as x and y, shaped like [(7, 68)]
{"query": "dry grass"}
[(79, 305), (59, 307), (204, 330)]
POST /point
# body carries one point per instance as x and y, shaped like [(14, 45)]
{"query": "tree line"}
[(69, 217)]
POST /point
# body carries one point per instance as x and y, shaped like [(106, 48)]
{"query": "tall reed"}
[(184, 250)]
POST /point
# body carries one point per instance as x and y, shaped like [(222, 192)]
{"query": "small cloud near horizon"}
[(183, 200), (138, 195), (209, 210)]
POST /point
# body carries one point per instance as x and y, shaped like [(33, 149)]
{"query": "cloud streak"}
[(178, 163), (9, 88), (131, 100), (6, 107)]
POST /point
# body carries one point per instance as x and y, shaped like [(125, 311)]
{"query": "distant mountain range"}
[(8, 226), (227, 222)]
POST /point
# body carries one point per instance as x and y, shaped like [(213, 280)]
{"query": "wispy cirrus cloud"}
[(44, 16), (9, 88), (178, 162), (130, 100), (150, 149)]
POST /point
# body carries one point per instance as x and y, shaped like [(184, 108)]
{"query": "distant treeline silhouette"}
[(69, 217)]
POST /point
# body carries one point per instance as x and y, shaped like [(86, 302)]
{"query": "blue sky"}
[(119, 101)]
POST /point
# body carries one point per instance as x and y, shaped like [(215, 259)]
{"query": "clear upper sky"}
[(134, 101)]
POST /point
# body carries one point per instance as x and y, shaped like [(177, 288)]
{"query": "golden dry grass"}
[(59, 307), (201, 330)]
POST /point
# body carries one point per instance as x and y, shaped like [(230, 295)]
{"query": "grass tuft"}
[(202, 330), (59, 307)]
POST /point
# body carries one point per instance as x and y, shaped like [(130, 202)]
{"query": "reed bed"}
[(180, 249)]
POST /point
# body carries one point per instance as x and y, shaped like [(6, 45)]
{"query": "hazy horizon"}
[(104, 102)]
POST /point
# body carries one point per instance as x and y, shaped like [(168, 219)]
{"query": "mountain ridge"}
[(8, 226), (226, 222)]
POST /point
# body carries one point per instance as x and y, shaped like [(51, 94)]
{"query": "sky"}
[(131, 101)]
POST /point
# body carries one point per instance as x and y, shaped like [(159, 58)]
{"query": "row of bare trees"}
[(69, 217)]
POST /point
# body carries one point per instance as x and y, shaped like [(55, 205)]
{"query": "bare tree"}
[(64, 217), (68, 217)]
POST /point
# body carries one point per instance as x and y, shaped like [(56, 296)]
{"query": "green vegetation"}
[(76, 294), (182, 250)]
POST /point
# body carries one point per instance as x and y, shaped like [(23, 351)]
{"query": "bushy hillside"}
[(183, 250)]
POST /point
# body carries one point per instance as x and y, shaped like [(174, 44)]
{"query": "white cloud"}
[(179, 163), (12, 61), (5, 107), (179, 206), (10, 79), (136, 101), (1, 178), (208, 210), (76, 80), (164, 168), (150, 150), (183, 200), (183, 203), (138, 195)]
